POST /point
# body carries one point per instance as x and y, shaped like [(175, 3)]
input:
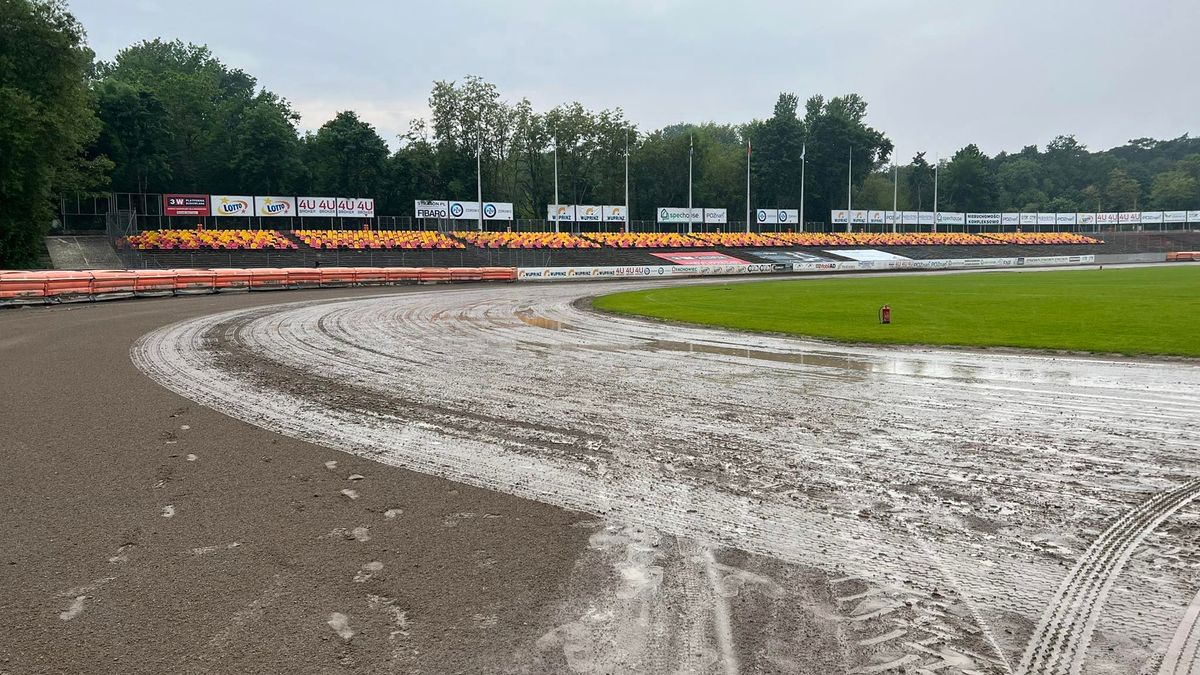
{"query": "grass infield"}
[(1145, 310)]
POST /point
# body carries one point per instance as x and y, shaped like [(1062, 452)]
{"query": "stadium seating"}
[(882, 239), (192, 240), (738, 239), (644, 239), (1041, 238), (376, 239), (525, 240)]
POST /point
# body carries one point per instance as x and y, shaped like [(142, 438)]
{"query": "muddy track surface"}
[(758, 504)]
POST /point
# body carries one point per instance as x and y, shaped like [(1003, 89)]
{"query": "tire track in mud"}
[(1059, 643), (483, 373), (1183, 654)]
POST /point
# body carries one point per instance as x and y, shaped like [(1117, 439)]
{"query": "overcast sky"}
[(937, 74)]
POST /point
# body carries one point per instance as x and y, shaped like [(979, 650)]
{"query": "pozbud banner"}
[(1152, 217), (232, 205), (355, 207), (716, 216), (185, 205), (1064, 218), (319, 207), (1174, 216), (497, 211), (1010, 219), (614, 214), (560, 212), (274, 206), (432, 208), (587, 214)]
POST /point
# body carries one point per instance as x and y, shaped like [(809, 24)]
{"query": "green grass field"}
[(1144, 310)]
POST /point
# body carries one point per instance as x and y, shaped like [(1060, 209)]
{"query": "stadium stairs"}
[(82, 252)]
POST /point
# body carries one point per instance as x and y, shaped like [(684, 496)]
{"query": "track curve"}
[(861, 461)]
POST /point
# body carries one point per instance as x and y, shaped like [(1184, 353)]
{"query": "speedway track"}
[(936, 499)]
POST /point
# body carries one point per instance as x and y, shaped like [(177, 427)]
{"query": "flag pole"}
[(479, 178), (895, 192), (936, 160), (691, 149), (748, 153), (627, 178), (849, 190)]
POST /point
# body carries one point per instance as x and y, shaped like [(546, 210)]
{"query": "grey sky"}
[(937, 74)]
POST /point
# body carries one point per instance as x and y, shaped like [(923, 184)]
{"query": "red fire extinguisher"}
[(885, 314)]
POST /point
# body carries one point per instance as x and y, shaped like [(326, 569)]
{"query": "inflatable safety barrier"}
[(19, 287)]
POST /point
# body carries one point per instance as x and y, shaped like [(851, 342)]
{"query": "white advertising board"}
[(432, 208), (355, 207), (716, 216), (274, 207), (319, 207), (615, 214), (588, 214), (232, 205), (560, 213)]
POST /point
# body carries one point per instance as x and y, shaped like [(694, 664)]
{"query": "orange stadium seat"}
[(645, 239), (1041, 238), (377, 239), (882, 239), (195, 240), (525, 240), (738, 239)]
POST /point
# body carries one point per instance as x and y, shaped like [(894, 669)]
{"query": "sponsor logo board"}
[(232, 205), (185, 205), (699, 258), (272, 206)]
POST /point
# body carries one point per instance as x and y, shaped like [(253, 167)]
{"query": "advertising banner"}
[(560, 213), (1152, 217), (640, 271), (925, 217), (587, 214), (716, 216), (185, 205), (983, 219), (1174, 216), (355, 207), (858, 217), (1029, 219), (1193, 217), (768, 216), (1047, 218), (951, 218), (464, 210), (1010, 219), (274, 206), (700, 258), (1108, 218), (788, 216), (1064, 218), (432, 208), (232, 205), (321, 207), (615, 214), (876, 217), (1130, 217), (837, 216), (1088, 219), (497, 211), (787, 256), (668, 214), (909, 218)]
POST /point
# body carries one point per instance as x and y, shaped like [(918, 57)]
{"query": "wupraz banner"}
[(232, 205), (274, 207), (615, 214), (588, 214), (560, 213)]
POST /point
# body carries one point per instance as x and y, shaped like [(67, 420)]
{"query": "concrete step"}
[(85, 252)]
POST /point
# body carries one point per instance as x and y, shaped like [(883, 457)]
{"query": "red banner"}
[(699, 258), (185, 205)]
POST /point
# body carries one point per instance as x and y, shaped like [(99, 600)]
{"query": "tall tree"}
[(347, 157), (47, 120)]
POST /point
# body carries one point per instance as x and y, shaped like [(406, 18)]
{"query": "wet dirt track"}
[(753, 504)]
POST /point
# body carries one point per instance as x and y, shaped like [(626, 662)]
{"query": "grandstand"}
[(376, 239), (644, 239), (194, 240), (526, 240)]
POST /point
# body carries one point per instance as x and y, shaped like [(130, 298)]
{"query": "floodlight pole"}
[(849, 190), (691, 149), (936, 161), (895, 192), (803, 163), (627, 176), (748, 152), (479, 179), (555, 210)]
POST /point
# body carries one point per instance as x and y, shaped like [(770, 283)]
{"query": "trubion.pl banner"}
[(355, 207), (232, 205), (185, 205), (316, 207), (272, 206), (432, 208)]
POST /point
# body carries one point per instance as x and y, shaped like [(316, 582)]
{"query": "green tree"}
[(47, 120), (1175, 190), (135, 136), (967, 182), (347, 157), (1122, 192)]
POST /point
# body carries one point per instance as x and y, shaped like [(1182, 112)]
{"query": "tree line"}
[(165, 116)]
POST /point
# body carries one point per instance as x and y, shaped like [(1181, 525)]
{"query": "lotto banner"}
[(320, 207), (185, 205), (269, 207), (232, 205)]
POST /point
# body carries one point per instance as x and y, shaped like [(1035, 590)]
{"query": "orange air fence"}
[(51, 286)]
